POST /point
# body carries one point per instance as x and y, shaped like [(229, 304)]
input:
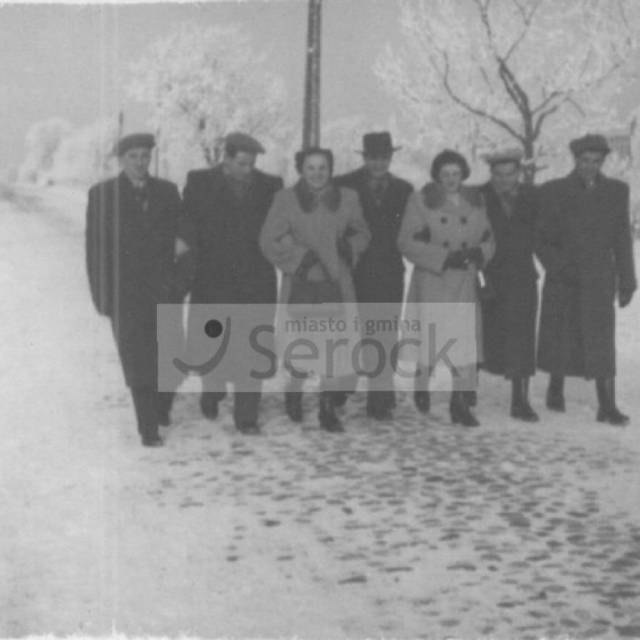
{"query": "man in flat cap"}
[(131, 244), (585, 245), (225, 207), (510, 302), (379, 275)]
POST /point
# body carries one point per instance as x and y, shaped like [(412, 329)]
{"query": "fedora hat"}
[(377, 144)]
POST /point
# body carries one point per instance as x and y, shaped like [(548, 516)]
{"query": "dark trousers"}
[(245, 404), (150, 405)]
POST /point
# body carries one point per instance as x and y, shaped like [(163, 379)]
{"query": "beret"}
[(505, 155), (135, 141), (238, 141), (590, 142)]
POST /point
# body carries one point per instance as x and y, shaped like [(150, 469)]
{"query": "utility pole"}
[(311, 114)]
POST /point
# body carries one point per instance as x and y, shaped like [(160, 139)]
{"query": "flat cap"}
[(135, 141), (590, 142), (513, 154), (238, 141)]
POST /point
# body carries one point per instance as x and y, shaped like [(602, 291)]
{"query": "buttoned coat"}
[(379, 275), (509, 316), (429, 232), (131, 267), (224, 232), (584, 242), (290, 232)]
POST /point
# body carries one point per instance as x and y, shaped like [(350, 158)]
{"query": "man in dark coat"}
[(131, 241), (225, 208), (585, 244), (510, 302), (379, 275)]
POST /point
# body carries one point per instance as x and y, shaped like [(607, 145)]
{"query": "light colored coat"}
[(289, 232), (446, 227)]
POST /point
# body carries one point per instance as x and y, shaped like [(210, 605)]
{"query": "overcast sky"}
[(70, 60)]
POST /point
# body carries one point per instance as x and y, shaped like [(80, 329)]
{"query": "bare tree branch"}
[(472, 109)]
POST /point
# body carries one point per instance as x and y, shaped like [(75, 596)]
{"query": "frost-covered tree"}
[(203, 82), (481, 73), (42, 141), (87, 155)]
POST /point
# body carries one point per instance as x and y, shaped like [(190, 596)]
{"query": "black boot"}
[(460, 412), (340, 398), (327, 413), (209, 403), (472, 397), (144, 401), (422, 400), (293, 405), (555, 393), (607, 410), (164, 404), (520, 407), (380, 405)]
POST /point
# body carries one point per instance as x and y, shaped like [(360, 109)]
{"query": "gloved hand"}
[(455, 260), (424, 235), (624, 297), (309, 259), (474, 255)]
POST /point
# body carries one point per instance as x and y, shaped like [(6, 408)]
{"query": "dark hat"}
[(303, 154), (135, 141), (448, 156), (241, 142), (377, 144), (505, 155), (590, 142)]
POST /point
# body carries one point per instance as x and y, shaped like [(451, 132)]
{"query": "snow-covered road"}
[(404, 530)]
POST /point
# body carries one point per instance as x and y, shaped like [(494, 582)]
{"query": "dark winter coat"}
[(379, 276), (509, 315), (224, 232), (131, 268), (584, 242)]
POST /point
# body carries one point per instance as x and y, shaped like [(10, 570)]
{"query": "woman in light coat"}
[(447, 236), (315, 232)]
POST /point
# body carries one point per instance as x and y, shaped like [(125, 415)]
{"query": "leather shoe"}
[(152, 441), (613, 416), (248, 428)]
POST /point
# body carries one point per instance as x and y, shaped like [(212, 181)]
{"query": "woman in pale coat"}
[(447, 236), (315, 232)]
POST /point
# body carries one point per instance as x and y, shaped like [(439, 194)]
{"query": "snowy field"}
[(410, 529)]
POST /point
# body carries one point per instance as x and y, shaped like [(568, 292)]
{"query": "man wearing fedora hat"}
[(379, 275), (225, 207), (509, 306), (132, 240), (585, 245)]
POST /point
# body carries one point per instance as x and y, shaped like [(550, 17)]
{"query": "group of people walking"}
[(346, 239)]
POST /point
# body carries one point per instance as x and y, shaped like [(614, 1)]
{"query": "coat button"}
[(445, 244), (464, 245), (463, 220), (443, 220)]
